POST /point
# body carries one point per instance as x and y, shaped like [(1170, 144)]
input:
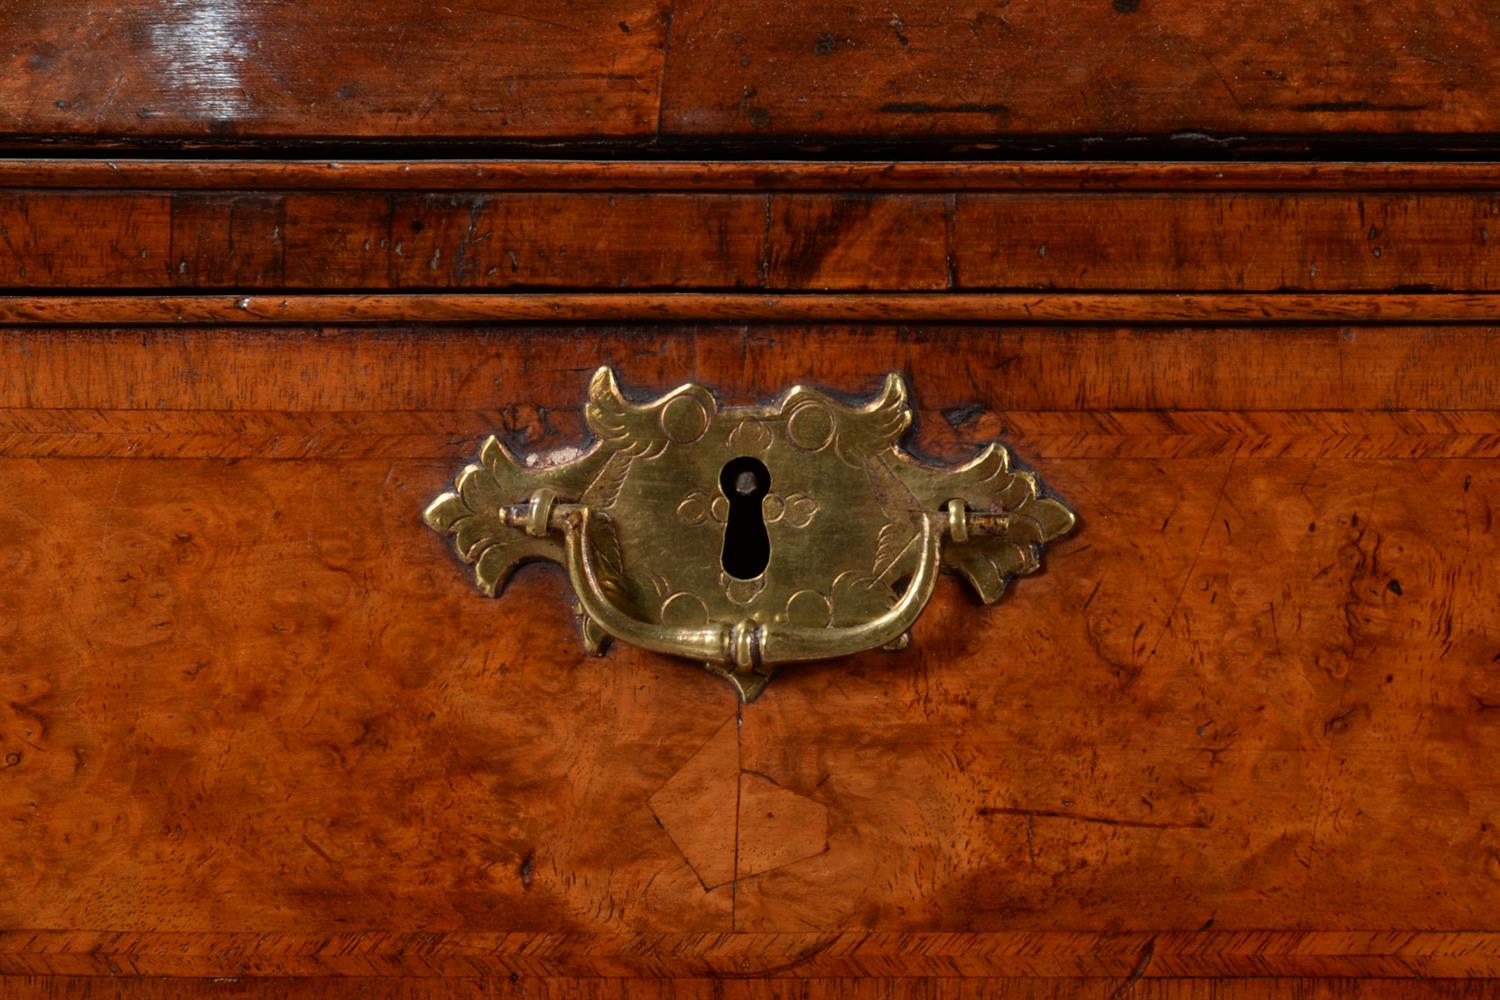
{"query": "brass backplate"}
[(652, 522)]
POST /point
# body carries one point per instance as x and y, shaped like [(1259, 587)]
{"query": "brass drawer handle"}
[(750, 648), (745, 578)]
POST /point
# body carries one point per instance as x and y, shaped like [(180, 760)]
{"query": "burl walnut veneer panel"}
[(259, 736), (246, 693)]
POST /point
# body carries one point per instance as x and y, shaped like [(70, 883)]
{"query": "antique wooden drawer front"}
[(256, 722)]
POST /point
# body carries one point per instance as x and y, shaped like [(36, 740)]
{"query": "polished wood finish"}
[(1078, 68), (258, 674), (784, 962), (1376, 376), (724, 988), (256, 309), (738, 175), (657, 73), (255, 726), (784, 240), (238, 69), (270, 271), (1260, 242)]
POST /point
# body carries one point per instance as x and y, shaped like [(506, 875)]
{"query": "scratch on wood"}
[(1198, 824), (1197, 554), (1137, 972)]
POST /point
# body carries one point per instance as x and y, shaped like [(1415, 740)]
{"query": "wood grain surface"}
[(1244, 241), (301, 308), (557, 988), (135, 172), (256, 723), (258, 735), (257, 69), (1078, 68), (659, 74)]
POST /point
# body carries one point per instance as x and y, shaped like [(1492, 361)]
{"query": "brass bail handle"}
[(649, 518), (746, 645)]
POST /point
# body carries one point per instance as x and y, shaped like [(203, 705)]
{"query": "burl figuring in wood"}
[(1251, 694), (1222, 274)]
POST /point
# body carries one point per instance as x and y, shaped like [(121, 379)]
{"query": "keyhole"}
[(747, 547)]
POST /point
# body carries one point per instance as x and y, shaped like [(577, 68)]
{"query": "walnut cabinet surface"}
[(256, 724), (1225, 276)]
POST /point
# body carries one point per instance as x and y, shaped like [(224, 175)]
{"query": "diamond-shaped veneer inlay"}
[(729, 823), (697, 806)]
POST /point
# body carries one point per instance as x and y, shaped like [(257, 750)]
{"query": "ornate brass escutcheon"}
[(749, 537)]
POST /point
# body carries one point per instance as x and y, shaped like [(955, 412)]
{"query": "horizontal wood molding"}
[(830, 227), (125, 173), (1255, 953), (1096, 380), (518, 987), (473, 307), (1040, 435)]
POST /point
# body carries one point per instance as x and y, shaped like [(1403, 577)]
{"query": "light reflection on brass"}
[(858, 529)]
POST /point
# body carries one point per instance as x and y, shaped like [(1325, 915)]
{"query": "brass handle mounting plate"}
[(747, 538)]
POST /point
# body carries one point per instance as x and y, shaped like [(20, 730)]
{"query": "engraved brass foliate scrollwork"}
[(857, 528)]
